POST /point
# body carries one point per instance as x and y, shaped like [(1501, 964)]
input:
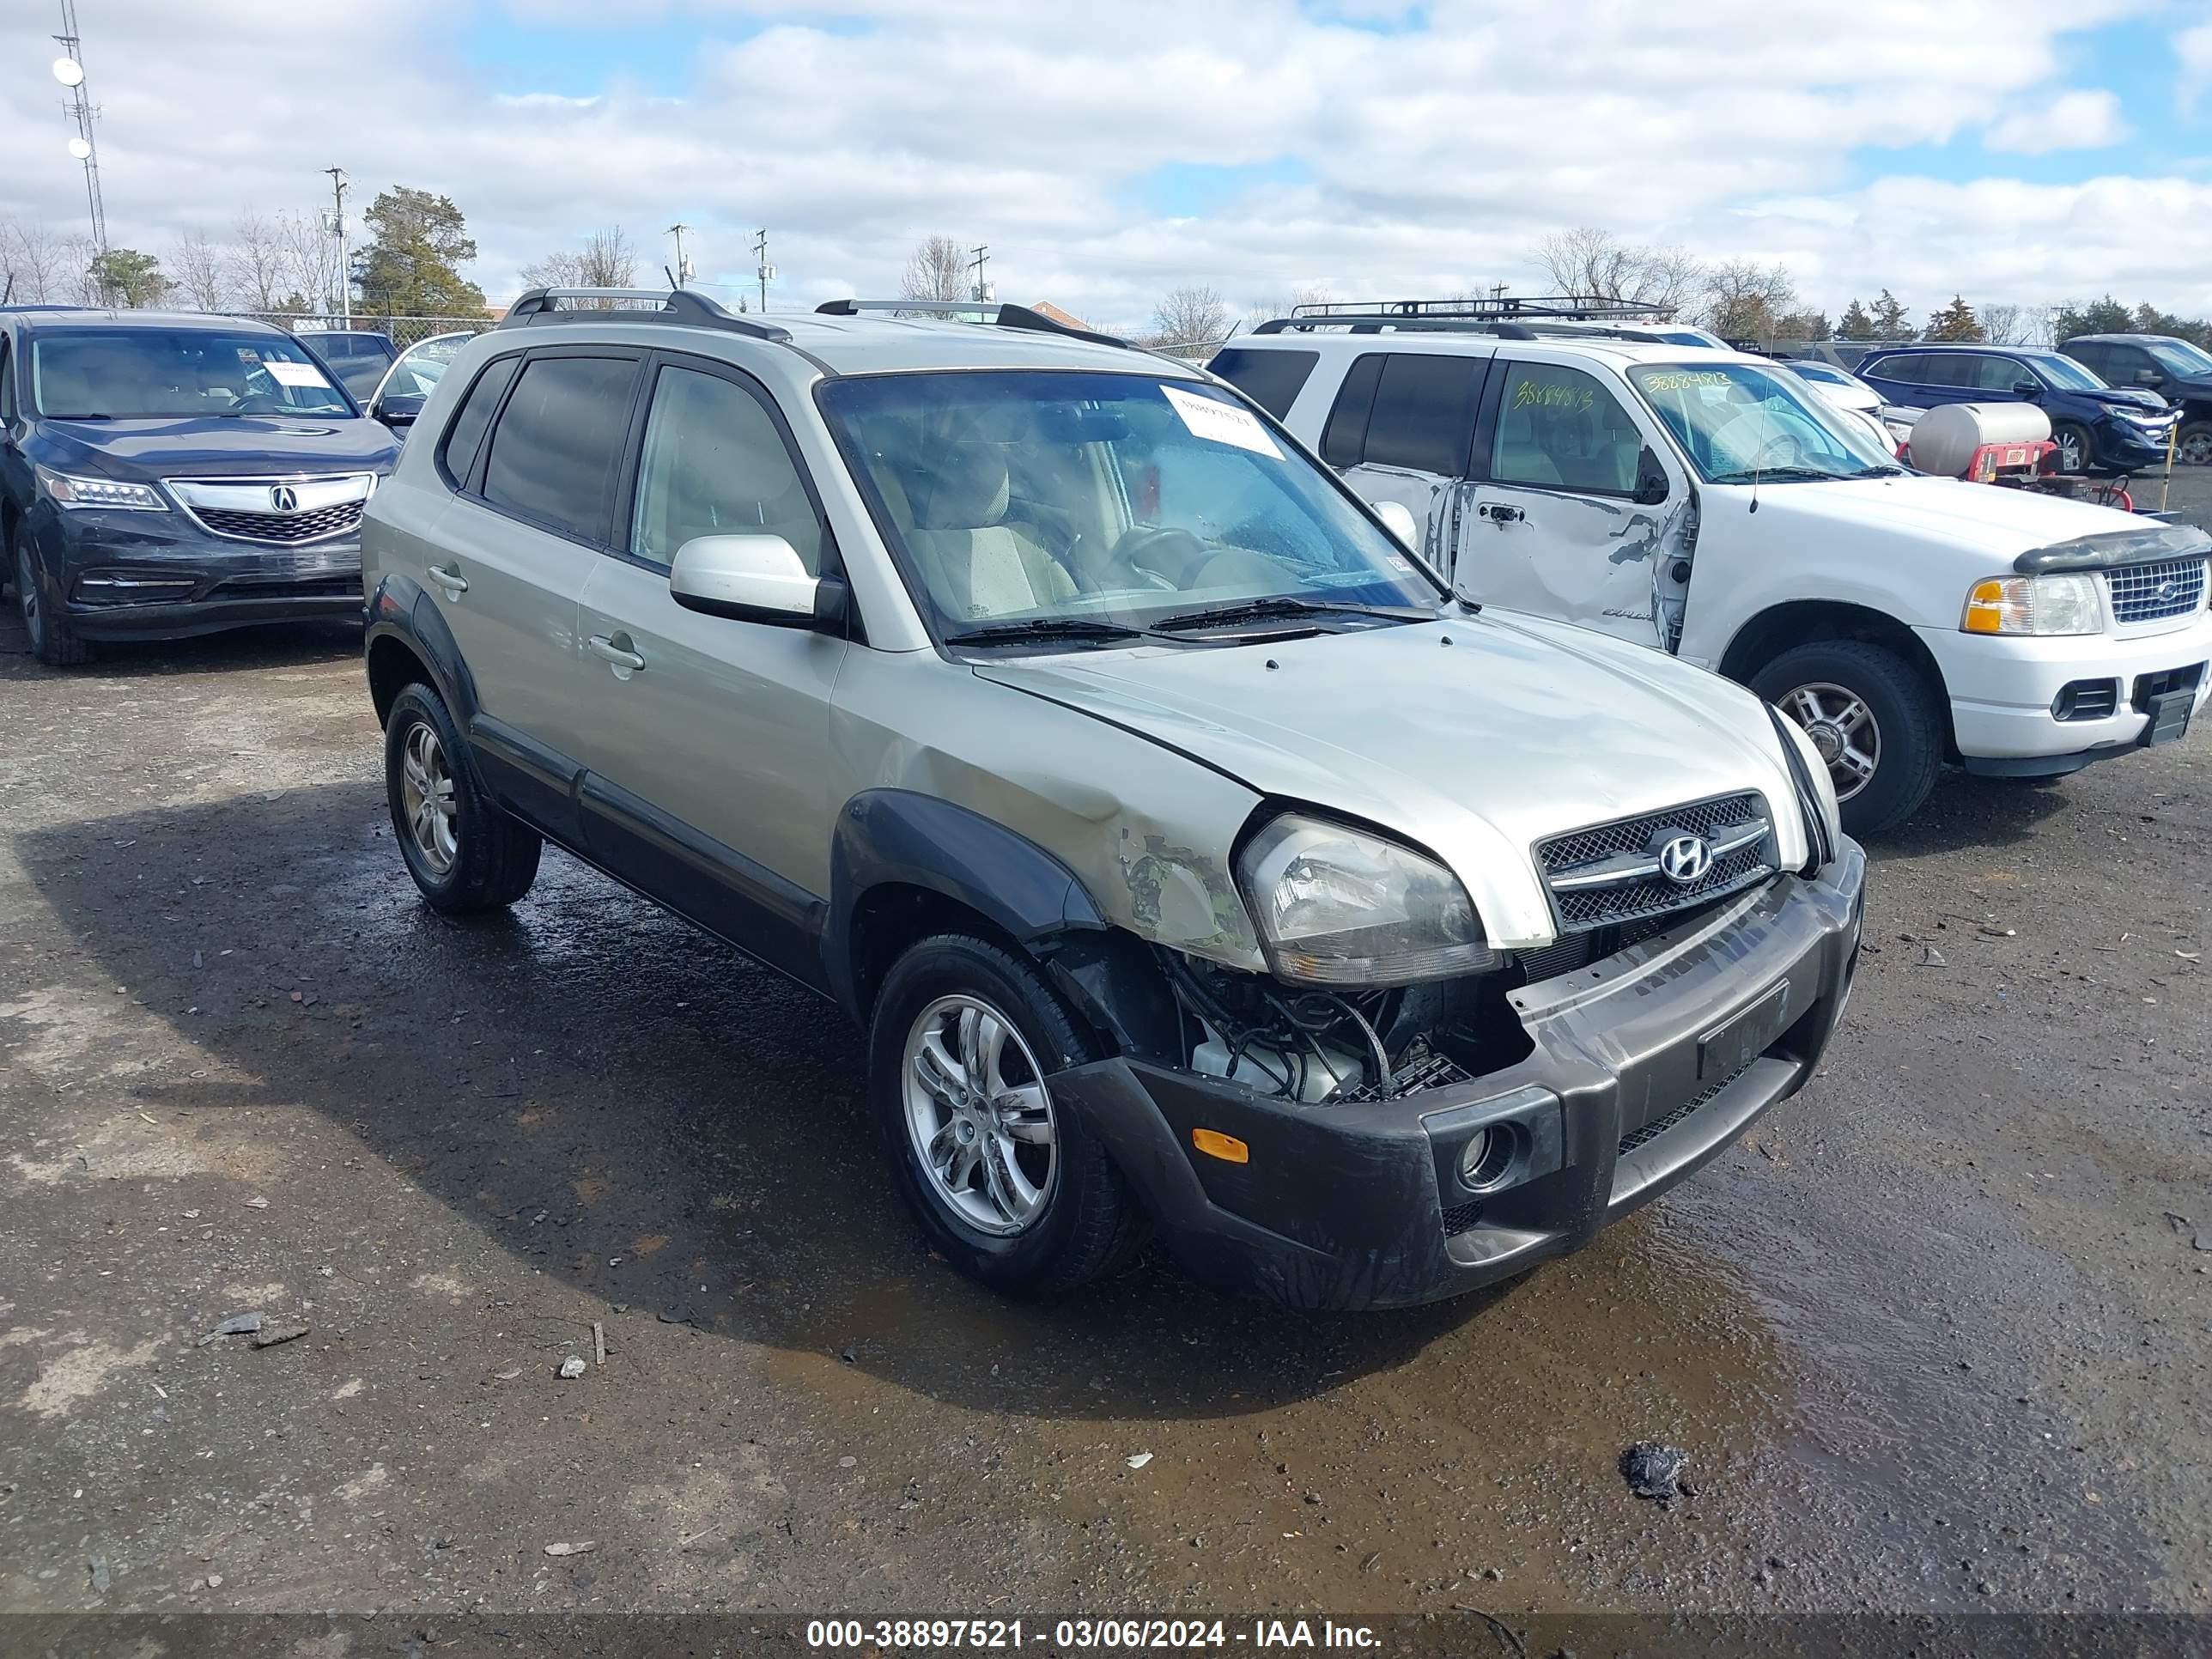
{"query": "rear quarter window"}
[(1271, 379), (464, 433)]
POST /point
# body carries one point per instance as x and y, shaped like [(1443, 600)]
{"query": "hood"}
[(210, 446), (2124, 396), (1932, 515), (1517, 730)]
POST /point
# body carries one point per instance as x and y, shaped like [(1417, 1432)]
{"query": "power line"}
[(982, 291)]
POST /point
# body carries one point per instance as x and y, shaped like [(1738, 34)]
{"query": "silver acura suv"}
[(1194, 861)]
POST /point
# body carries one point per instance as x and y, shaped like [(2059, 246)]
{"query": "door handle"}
[(451, 580), (621, 656), (1499, 513)]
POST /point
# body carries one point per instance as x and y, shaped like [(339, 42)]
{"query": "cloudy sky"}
[(2018, 150)]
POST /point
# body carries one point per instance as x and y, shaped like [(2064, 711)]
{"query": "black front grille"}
[(281, 528), (2149, 592), (1659, 1125), (1462, 1217), (1598, 907)]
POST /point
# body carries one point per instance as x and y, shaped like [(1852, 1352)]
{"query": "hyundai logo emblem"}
[(1684, 859), (284, 498)]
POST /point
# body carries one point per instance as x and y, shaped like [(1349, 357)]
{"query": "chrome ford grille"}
[(1611, 873), (2149, 592)]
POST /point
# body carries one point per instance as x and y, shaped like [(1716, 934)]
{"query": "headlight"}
[(2034, 605), (63, 490), (1337, 906)]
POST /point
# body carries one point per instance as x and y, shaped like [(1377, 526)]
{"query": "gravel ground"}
[(1934, 1335)]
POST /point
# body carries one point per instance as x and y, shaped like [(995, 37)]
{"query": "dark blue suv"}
[(166, 475), (2099, 428)]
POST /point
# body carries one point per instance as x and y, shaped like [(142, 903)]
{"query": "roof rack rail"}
[(988, 310), (1375, 322), (539, 304), (1502, 307)]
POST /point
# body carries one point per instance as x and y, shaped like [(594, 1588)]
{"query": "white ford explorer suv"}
[(1191, 859), (1710, 505)]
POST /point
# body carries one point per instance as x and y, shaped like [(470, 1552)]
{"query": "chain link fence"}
[(403, 331)]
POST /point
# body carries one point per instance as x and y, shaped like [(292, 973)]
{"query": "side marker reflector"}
[(1227, 1148)]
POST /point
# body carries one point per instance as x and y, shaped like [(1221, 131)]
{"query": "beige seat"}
[(1521, 458), (976, 565)]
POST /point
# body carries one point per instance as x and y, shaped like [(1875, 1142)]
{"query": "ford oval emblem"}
[(2167, 591), (284, 498), (1686, 859)]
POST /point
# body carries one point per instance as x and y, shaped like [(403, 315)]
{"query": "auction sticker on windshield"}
[(291, 373), (1221, 424)]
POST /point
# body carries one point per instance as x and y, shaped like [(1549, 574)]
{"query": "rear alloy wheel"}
[(1874, 720), (2194, 447), (466, 855), (54, 641)]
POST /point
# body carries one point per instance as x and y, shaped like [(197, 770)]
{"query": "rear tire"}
[(1814, 685), (54, 641), (467, 856), (1081, 1223)]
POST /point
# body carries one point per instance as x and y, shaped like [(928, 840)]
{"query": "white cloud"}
[(1428, 160), (2072, 120), (2192, 56)]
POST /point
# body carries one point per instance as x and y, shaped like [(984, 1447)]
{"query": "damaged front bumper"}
[(1646, 1066)]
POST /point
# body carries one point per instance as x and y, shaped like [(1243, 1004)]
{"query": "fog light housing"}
[(1488, 1157)]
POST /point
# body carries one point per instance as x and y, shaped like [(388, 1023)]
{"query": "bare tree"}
[(1309, 293), (1744, 300), (1189, 316), (2007, 324), (31, 261), (1596, 265), (80, 280), (308, 259), (257, 262), (553, 271), (608, 259), (936, 270), (199, 271)]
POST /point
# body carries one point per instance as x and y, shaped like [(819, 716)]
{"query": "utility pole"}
[(682, 265), (337, 229), (983, 291), (69, 70), (762, 269)]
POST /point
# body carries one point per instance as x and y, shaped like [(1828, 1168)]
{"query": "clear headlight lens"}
[(1337, 906), (2065, 603), (64, 490)]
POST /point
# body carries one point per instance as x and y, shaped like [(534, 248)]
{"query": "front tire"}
[(1873, 717), (467, 856), (2077, 451), (1009, 1185), (54, 641)]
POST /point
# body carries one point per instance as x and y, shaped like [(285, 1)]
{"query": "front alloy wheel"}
[(980, 1116), (1843, 729)]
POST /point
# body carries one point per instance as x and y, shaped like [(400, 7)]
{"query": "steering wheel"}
[(255, 403), (1795, 457), (1169, 555)]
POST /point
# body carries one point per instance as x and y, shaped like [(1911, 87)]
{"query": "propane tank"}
[(1944, 440)]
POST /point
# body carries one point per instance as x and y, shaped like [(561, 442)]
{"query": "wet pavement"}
[(1933, 1336)]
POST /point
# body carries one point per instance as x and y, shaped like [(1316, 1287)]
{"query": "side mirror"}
[(2030, 389), (1398, 519), (396, 409), (757, 579), (1651, 485)]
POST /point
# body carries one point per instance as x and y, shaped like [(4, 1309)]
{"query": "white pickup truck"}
[(1708, 504)]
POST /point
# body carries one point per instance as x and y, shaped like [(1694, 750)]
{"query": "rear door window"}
[(555, 449), (1423, 413), (1271, 379), (1344, 437)]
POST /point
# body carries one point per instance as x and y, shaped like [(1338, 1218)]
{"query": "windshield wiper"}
[(1283, 606), (1044, 627), (1782, 475), (1884, 471)]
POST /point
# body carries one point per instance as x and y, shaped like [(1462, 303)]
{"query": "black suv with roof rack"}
[(163, 475)]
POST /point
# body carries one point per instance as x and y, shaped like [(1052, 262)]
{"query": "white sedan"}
[(1893, 423)]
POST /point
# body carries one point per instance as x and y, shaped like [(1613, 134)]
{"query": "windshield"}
[(2063, 372), (1738, 421), (421, 365), (1104, 501), (2179, 357), (122, 373)]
